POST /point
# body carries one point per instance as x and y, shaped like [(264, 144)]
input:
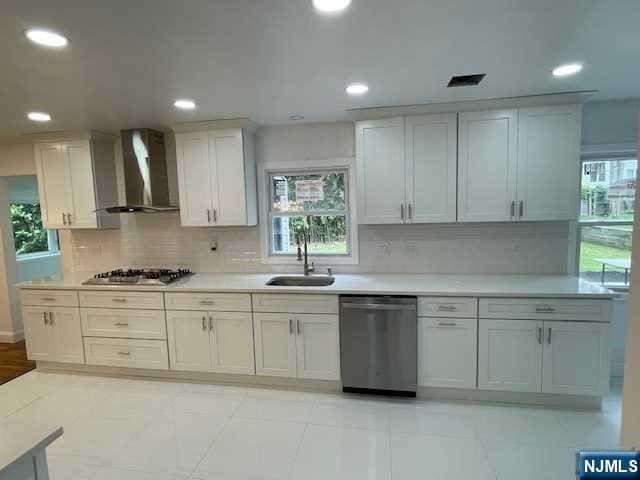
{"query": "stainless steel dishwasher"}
[(378, 344)]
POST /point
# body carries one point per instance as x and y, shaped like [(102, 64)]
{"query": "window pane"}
[(303, 193), (28, 234), (328, 234), (608, 190), (609, 246)]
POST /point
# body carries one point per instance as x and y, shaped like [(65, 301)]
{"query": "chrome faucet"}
[(308, 269)]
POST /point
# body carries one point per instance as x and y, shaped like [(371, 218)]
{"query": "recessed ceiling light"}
[(297, 117), (331, 6), (46, 38), (357, 89), (566, 70), (39, 117), (184, 104)]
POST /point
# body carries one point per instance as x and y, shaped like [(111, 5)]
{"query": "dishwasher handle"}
[(377, 306)]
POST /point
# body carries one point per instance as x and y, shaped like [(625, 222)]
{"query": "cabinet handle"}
[(545, 309), (64, 218), (51, 321), (410, 212), (540, 335), (208, 215), (549, 335), (215, 216), (46, 321), (210, 323), (48, 299), (447, 324), (206, 302), (402, 211), (124, 354), (119, 300), (447, 308), (513, 208), (298, 322), (69, 221), (290, 327), (521, 208), (121, 324), (204, 324)]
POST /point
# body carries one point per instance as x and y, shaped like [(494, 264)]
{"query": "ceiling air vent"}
[(466, 80)]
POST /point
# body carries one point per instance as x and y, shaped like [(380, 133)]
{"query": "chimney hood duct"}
[(145, 172)]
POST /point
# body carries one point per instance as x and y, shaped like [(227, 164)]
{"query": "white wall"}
[(157, 239), (610, 122)]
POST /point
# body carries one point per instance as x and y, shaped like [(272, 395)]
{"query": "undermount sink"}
[(300, 281)]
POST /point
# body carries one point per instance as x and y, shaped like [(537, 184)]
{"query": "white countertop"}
[(19, 441), (396, 284)]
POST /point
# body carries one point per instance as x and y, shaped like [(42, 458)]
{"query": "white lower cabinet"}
[(219, 342), (543, 356), (575, 358), (510, 355), (447, 352), (127, 352), (53, 334), (297, 345)]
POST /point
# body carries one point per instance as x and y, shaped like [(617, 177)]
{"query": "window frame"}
[(308, 167), (601, 153)]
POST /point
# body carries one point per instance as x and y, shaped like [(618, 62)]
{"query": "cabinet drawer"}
[(123, 323), (216, 302), (456, 307), (143, 300), (119, 352), (295, 303), (546, 309), (57, 298)]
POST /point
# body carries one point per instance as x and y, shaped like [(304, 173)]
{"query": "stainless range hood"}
[(145, 172)]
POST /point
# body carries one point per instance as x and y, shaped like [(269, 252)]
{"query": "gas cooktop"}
[(139, 276)]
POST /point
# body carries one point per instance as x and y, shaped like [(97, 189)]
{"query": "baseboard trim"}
[(11, 337), (195, 377), (574, 402)]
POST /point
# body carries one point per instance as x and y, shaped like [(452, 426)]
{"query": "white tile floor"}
[(143, 430)]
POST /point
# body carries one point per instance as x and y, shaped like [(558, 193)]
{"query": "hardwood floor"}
[(13, 361)]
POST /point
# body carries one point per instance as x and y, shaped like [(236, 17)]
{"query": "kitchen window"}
[(314, 201), (30, 238), (607, 201)]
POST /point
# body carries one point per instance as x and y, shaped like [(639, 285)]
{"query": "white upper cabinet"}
[(216, 177), (381, 170), (487, 159), (407, 169), (76, 179), (548, 162), (431, 155), (519, 165)]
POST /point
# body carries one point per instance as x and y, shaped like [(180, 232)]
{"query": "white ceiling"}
[(269, 59)]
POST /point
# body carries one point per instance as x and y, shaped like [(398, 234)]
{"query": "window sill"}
[(36, 256)]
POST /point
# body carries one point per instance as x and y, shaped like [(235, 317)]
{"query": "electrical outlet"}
[(383, 250)]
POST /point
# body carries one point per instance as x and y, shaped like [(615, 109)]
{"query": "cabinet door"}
[(548, 162), (53, 184), (487, 153), (575, 358), (67, 334), (82, 199), (194, 179), (447, 352), (510, 355), (275, 342), (188, 337), (228, 177), (381, 170), (232, 342), (39, 334), (318, 346), (431, 162)]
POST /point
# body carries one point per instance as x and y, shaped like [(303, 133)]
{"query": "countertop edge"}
[(21, 453)]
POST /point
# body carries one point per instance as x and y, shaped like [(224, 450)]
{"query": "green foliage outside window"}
[(28, 234)]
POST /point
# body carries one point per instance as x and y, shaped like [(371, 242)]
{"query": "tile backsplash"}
[(147, 240)]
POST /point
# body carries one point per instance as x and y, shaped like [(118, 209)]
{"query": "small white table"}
[(623, 263)]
